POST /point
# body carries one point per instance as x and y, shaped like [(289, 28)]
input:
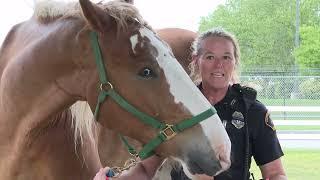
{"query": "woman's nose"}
[(218, 62)]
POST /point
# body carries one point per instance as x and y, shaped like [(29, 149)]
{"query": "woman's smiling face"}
[(216, 62)]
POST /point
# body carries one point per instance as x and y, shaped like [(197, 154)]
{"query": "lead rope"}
[(117, 170)]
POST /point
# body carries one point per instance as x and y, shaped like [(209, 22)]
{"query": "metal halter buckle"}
[(106, 87), (168, 132)]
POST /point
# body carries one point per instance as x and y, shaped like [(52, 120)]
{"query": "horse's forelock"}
[(122, 12)]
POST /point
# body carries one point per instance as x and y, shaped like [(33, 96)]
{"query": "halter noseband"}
[(166, 132)]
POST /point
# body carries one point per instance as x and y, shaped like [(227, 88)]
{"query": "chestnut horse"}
[(84, 51)]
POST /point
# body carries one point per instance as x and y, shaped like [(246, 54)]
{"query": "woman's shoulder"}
[(246, 91), (258, 106)]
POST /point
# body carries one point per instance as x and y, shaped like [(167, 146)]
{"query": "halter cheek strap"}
[(166, 131)]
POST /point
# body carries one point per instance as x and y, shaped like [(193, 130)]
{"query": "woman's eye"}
[(210, 57), (146, 73), (226, 57)]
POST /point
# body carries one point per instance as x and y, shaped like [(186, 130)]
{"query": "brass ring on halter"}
[(106, 87)]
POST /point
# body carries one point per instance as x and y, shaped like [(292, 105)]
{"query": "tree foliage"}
[(310, 12), (308, 54)]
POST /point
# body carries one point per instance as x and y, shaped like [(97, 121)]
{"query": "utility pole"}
[(297, 39), (296, 45)]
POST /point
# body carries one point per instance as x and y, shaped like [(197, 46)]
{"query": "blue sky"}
[(159, 13)]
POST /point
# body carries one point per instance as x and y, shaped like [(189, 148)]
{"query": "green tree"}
[(264, 28), (310, 12), (308, 53)]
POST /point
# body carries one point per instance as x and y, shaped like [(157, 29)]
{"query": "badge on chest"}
[(237, 120)]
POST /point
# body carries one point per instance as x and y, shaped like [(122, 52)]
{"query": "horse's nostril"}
[(225, 162)]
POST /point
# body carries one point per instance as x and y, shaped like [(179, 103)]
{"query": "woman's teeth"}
[(217, 74)]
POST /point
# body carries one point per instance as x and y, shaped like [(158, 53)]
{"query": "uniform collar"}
[(227, 98)]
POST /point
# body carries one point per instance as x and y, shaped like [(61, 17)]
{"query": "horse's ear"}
[(96, 17)]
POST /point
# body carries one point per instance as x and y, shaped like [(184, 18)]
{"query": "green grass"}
[(299, 164), (278, 127), (290, 102)]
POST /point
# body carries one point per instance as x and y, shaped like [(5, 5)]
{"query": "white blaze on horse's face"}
[(186, 93), (134, 42)]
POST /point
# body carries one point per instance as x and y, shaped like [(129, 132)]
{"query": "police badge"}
[(237, 120)]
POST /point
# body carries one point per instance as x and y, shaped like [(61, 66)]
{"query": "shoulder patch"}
[(268, 121)]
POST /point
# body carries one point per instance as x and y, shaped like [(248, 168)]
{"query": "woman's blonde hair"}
[(197, 46)]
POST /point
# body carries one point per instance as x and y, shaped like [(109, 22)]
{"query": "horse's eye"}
[(146, 73)]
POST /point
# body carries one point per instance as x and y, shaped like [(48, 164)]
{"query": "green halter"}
[(166, 132)]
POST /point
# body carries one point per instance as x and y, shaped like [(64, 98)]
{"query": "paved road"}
[(299, 139), (297, 122)]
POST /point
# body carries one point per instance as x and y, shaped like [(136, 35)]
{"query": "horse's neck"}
[(38, 60), (32, 77), (46, 146), (37, 63)]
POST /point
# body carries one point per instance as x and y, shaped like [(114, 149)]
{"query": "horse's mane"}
[(120, 11), (83, 122)]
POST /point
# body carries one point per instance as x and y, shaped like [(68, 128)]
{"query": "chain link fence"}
[(288, 90)]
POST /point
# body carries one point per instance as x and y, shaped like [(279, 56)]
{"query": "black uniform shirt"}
[(263, 143)]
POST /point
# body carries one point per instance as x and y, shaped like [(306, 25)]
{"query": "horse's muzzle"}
[(200, 163)]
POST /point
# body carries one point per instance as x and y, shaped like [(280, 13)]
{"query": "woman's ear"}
[(194, 58)]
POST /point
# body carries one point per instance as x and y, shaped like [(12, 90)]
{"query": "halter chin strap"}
[(166, 132)]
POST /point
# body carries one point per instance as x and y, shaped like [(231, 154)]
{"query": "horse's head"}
[(146, 94)]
